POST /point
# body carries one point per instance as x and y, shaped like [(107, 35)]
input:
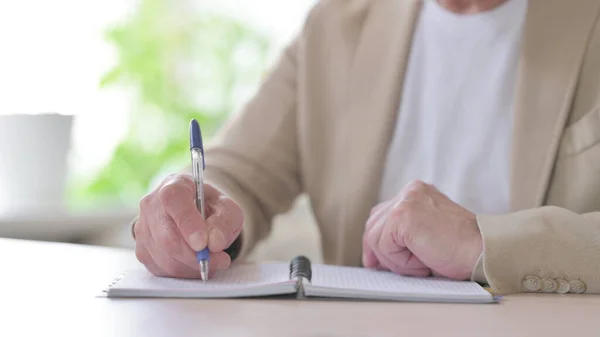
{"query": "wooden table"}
[(50, 289)]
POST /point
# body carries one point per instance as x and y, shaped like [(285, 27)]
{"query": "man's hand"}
[(170, 228), (421, 232)]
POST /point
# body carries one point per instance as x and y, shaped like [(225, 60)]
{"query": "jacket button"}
[(563, 286), (532, 283), (549, 285), (577, 286)]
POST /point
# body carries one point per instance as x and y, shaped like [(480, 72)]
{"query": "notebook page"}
[(239, 280), (354, 280)]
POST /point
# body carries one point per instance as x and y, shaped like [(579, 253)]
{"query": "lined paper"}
[(241, 276), (361, 279)]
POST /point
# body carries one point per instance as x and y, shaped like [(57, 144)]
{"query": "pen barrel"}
[(198, 174)]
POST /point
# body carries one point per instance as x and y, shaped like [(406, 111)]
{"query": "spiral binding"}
[(114, 281), (300, 267)]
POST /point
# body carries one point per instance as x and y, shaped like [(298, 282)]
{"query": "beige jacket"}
[(321, 123)]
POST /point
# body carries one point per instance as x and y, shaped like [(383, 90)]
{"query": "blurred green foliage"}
[(180, 63)]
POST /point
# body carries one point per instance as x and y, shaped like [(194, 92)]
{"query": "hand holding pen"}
[(172, 235)]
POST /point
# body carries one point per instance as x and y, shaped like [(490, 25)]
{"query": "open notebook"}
[(303, 280)]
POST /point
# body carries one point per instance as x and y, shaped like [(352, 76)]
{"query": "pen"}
[(198, 164)]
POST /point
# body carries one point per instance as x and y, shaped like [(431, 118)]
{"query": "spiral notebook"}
[(300, 279)]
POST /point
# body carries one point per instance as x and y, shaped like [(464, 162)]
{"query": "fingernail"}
[(197, 241), (217, 238)]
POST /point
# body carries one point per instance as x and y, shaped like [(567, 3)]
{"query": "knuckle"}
[(376, 208), (416, 185), (167, 180), (170, 177), (412, 194), (219, 221), (402, 209), (169, 192), (177, 186), (186, 180), (147, 201)]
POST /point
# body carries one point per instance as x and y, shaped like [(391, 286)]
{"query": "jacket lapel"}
[(374, 89), (554, 41)]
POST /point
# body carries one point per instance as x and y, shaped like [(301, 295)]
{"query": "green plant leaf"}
[(181, 65)]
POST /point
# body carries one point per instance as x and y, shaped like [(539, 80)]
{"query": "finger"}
[(382, 209), (377, 214), (162, 250), (167, 250), (224, 224), (395, 255), (418, 272), (391, 244), (172, 242), (387, 262), (371, 239), (391, 262), (379, 207), (369, 259), (415, 190), (170, 267), (145, 258), (218, 262), (383, 260), (164, 238), (391, 255), (177, 198), (211, 194)]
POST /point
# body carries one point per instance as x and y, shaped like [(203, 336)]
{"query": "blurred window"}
[(133, 73)]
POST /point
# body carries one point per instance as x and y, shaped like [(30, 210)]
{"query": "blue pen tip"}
[(195, 135)]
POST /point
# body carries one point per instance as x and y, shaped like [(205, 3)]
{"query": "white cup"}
[(33, 163)]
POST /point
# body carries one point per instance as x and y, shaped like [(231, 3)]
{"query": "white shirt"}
[(454, 127)]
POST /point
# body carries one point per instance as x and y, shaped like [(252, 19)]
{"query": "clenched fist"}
[(422, 232), (170, 229)]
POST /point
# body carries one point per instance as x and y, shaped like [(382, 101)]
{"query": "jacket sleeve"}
[(254, 157), (538, 249)]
